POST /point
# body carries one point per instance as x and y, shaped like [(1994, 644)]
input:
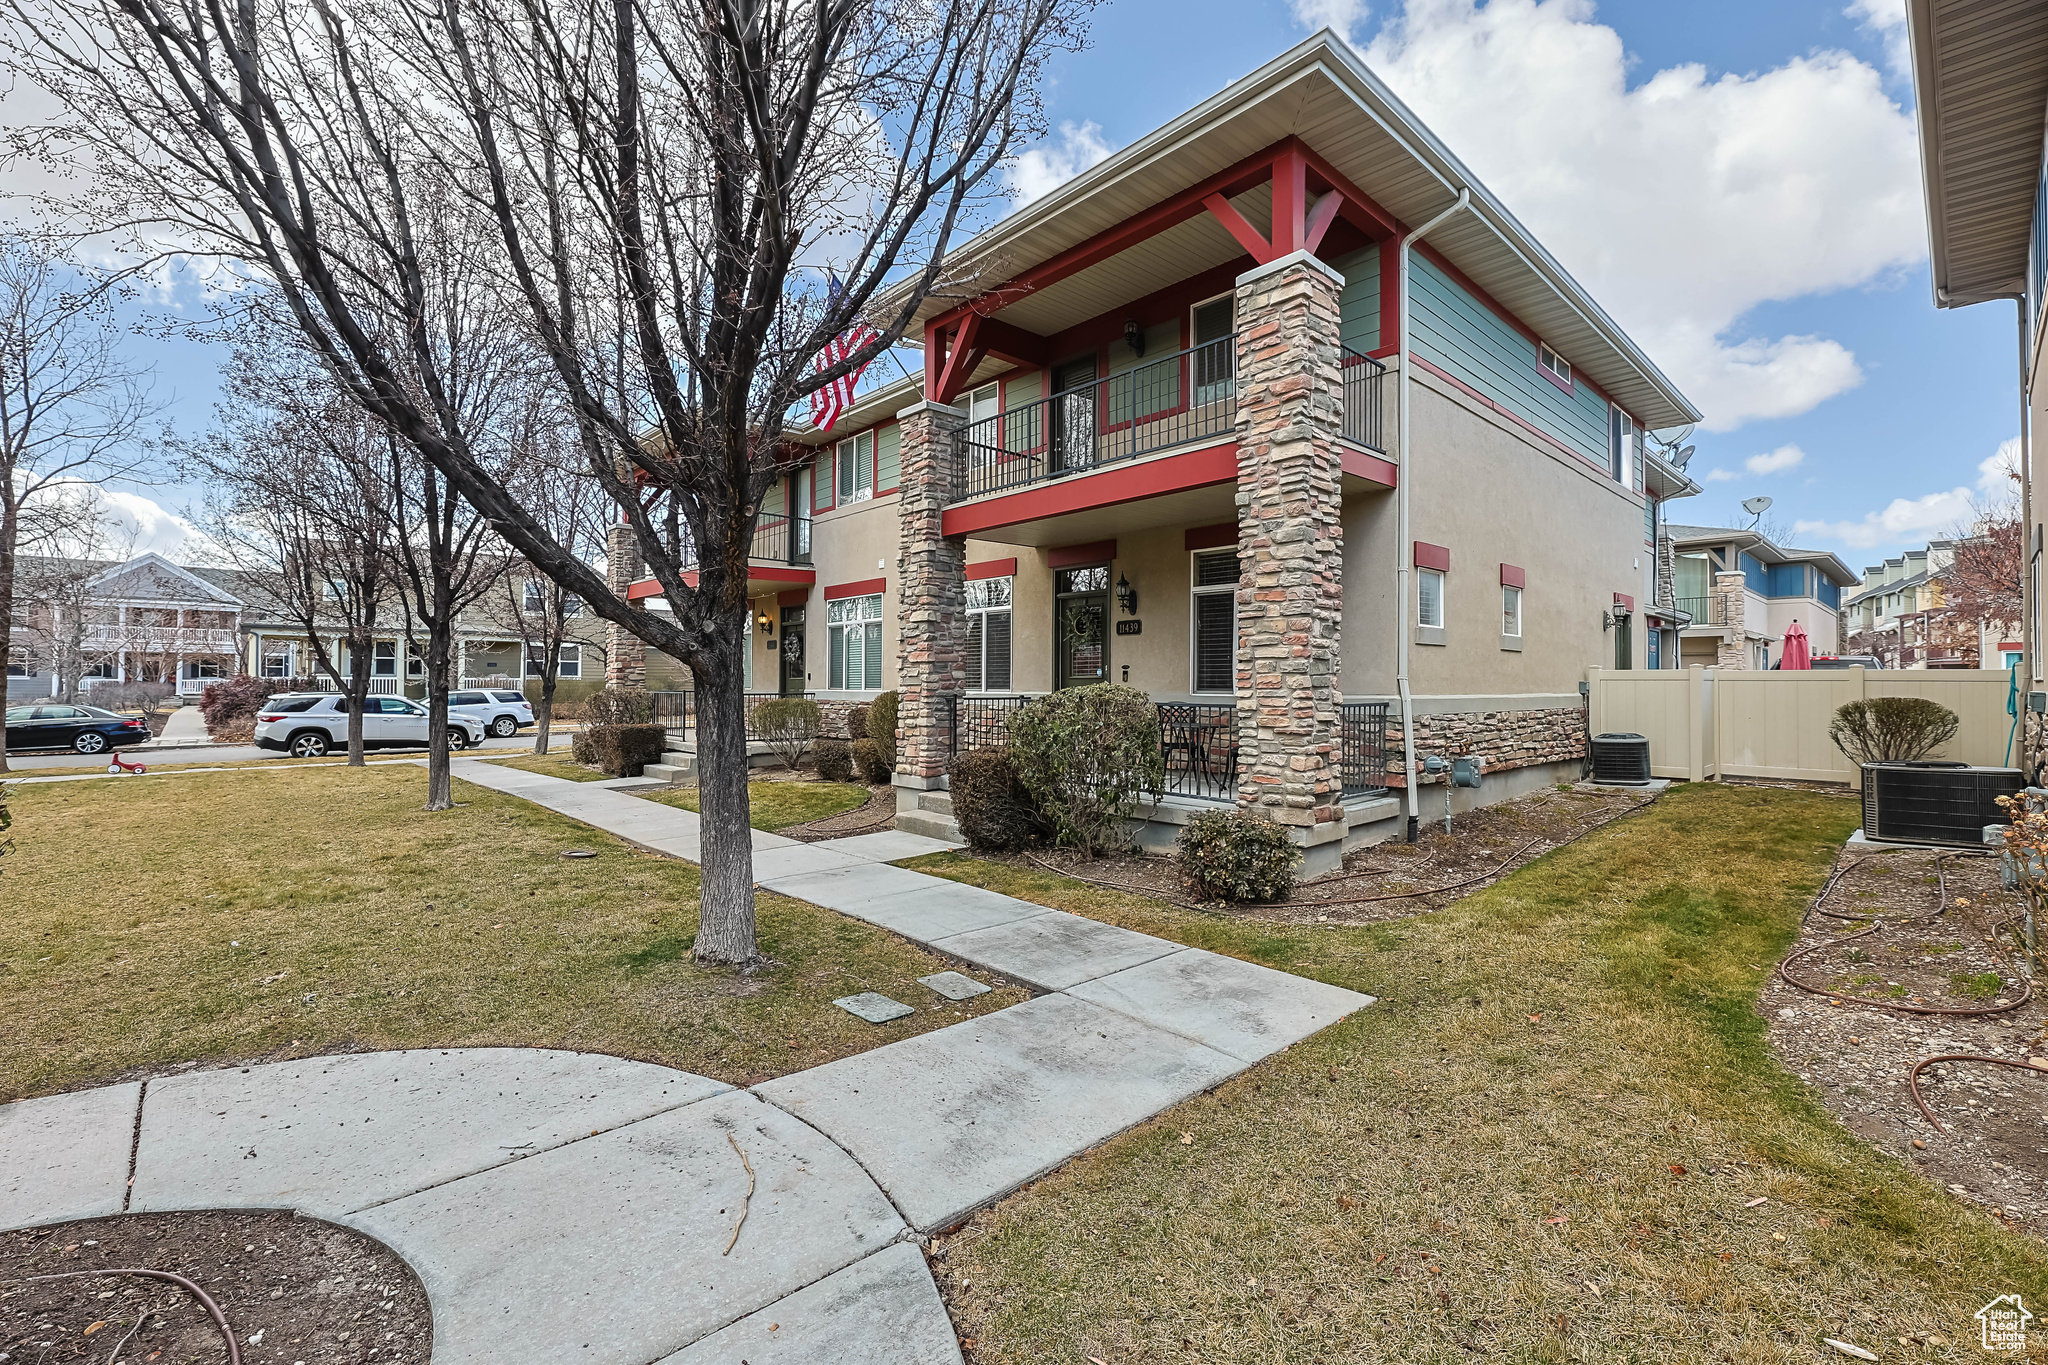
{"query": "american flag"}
[(836, 397)]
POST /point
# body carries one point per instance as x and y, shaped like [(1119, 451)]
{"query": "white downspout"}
[(1404, 629)]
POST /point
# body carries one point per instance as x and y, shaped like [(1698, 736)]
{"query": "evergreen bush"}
[(1088, 756), (620, 706), (1892, 729), (856, 721), (623, 750), (1237, 856), (994, 812), (835, 760), (867, 760), (881, 729)]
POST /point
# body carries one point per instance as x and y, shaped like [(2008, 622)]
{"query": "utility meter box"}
[(1464, 772)]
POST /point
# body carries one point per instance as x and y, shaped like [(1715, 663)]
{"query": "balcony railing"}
[(1363, 403), (678, 710), (778, 539), (1172, 401), (1705, 611)]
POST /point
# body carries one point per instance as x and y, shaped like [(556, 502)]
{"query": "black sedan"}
[(88, 729)]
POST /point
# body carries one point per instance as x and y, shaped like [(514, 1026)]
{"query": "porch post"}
[(1733, 651), (931, 597), (1290, 549), (625, 661)]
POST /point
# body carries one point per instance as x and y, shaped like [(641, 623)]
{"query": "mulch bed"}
[(1392, 880), (295, 1290), (1954, 951), (876, 814)]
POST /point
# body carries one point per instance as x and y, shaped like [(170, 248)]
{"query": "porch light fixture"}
[(767, 625), (1134, 336), (1126, 596)]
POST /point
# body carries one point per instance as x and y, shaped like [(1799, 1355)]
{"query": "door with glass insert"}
[(1081, 626)]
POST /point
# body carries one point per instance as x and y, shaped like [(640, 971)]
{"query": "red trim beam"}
[(795, 597), (1209, 537), (867, 587), (1104, 488), (1428, 556), (1512, 576), (1073, 556), (992, 568), (1622, 599)]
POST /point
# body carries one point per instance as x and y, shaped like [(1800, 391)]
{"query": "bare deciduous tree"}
[(71, 407), (652, 172)]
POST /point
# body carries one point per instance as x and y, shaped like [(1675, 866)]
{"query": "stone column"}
[(1290, 544), (625, 661), (931, 597), (1733, 651)]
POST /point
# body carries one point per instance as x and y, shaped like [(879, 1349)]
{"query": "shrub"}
[(787, 725), (835, 760), (881, 728), (623, 750), (232, 704), (620, 706), (994, 812), (1237, 856), (857, 721), (581, 749), (1087, 755), (867, 760), (146, 698), (1892, 729)]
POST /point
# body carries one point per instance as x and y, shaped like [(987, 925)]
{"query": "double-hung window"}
[(988, 635), (1625, 457), (1429, 598), (857, 468), (384, 659), (854, 626), (1215, 621)]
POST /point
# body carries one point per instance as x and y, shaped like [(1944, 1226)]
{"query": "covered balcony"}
[(778, 559)]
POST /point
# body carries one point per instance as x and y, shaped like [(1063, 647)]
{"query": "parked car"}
[(312, 724), (88, 729), (503, 712)]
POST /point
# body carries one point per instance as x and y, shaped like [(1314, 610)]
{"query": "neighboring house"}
[(150, 620), (1160, 447), (1900, 614), (1980, 84), (1741, 592), (89, 622)]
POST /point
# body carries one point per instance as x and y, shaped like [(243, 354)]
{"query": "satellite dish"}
[(1756, 507), (1682, 458)]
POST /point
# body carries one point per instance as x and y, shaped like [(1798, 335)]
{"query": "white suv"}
[(311, 724), (502, 712)]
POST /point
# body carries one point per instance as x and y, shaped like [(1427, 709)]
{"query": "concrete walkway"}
[(518, 1183)]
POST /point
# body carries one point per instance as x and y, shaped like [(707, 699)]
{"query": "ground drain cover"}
[(876, 1009), (576, 853), (954, 986)]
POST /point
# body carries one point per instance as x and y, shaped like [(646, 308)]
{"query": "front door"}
[(1081, 626), (1073, 415), (792, 651)]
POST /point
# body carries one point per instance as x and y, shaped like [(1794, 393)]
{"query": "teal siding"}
[(889, 458), (1467, 340), (1359, 304)]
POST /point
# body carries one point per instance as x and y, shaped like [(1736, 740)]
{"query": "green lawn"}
[(553, 765), (1538, 1146), (245, 915), (778, 805)]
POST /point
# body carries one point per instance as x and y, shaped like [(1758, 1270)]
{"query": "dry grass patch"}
[(552, 765), (1542, 1145), (249, 918), (778, 805)]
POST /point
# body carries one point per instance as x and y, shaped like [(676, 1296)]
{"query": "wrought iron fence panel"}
[(1363, 400), (1362, 732), (1199, 742)]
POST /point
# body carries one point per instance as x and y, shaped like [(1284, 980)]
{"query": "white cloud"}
[(1050, 165), (132, 520), (1776, 461), (1683, 202), (1905, 520), (1887, 20), (1996, 471), (1345, 16)]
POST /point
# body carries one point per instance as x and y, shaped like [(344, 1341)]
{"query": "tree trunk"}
[(440, 630), (544, 709), (9, 527), (725, 930), (358, 695)]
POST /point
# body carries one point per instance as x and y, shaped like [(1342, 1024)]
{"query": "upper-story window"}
[(857, 468), (535, 599), (1625, 449), (1554, 365), (985, 402)]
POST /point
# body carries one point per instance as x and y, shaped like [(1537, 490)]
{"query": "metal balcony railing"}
[(778, 539), (1174, 400), (1364, 411)]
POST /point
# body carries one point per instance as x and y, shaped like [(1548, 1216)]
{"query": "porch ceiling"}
[(1322, 93)]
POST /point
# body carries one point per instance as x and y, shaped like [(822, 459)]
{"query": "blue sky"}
[(1737, 183)]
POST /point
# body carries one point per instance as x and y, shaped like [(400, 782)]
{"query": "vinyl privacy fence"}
[(1706, 722)]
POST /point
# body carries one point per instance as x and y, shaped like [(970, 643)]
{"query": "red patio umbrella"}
[(1798, 653)]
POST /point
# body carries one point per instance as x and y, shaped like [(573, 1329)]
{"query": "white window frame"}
[(283, 657), (379, 658), (1558, 367), (850, 456), (986, 590), (1422, 598), (568, 662), (1505, 602), (855, 614), (1197, 591), (984, 402)]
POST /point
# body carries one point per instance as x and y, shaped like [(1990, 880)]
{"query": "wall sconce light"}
[(766, 623), (1134, 336), (1126, 596)]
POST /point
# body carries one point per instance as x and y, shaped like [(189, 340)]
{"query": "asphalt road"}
[(227, 753)]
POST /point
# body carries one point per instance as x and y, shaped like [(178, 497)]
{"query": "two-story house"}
[(1741, 592), (1205, 427), (1901, 614)]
